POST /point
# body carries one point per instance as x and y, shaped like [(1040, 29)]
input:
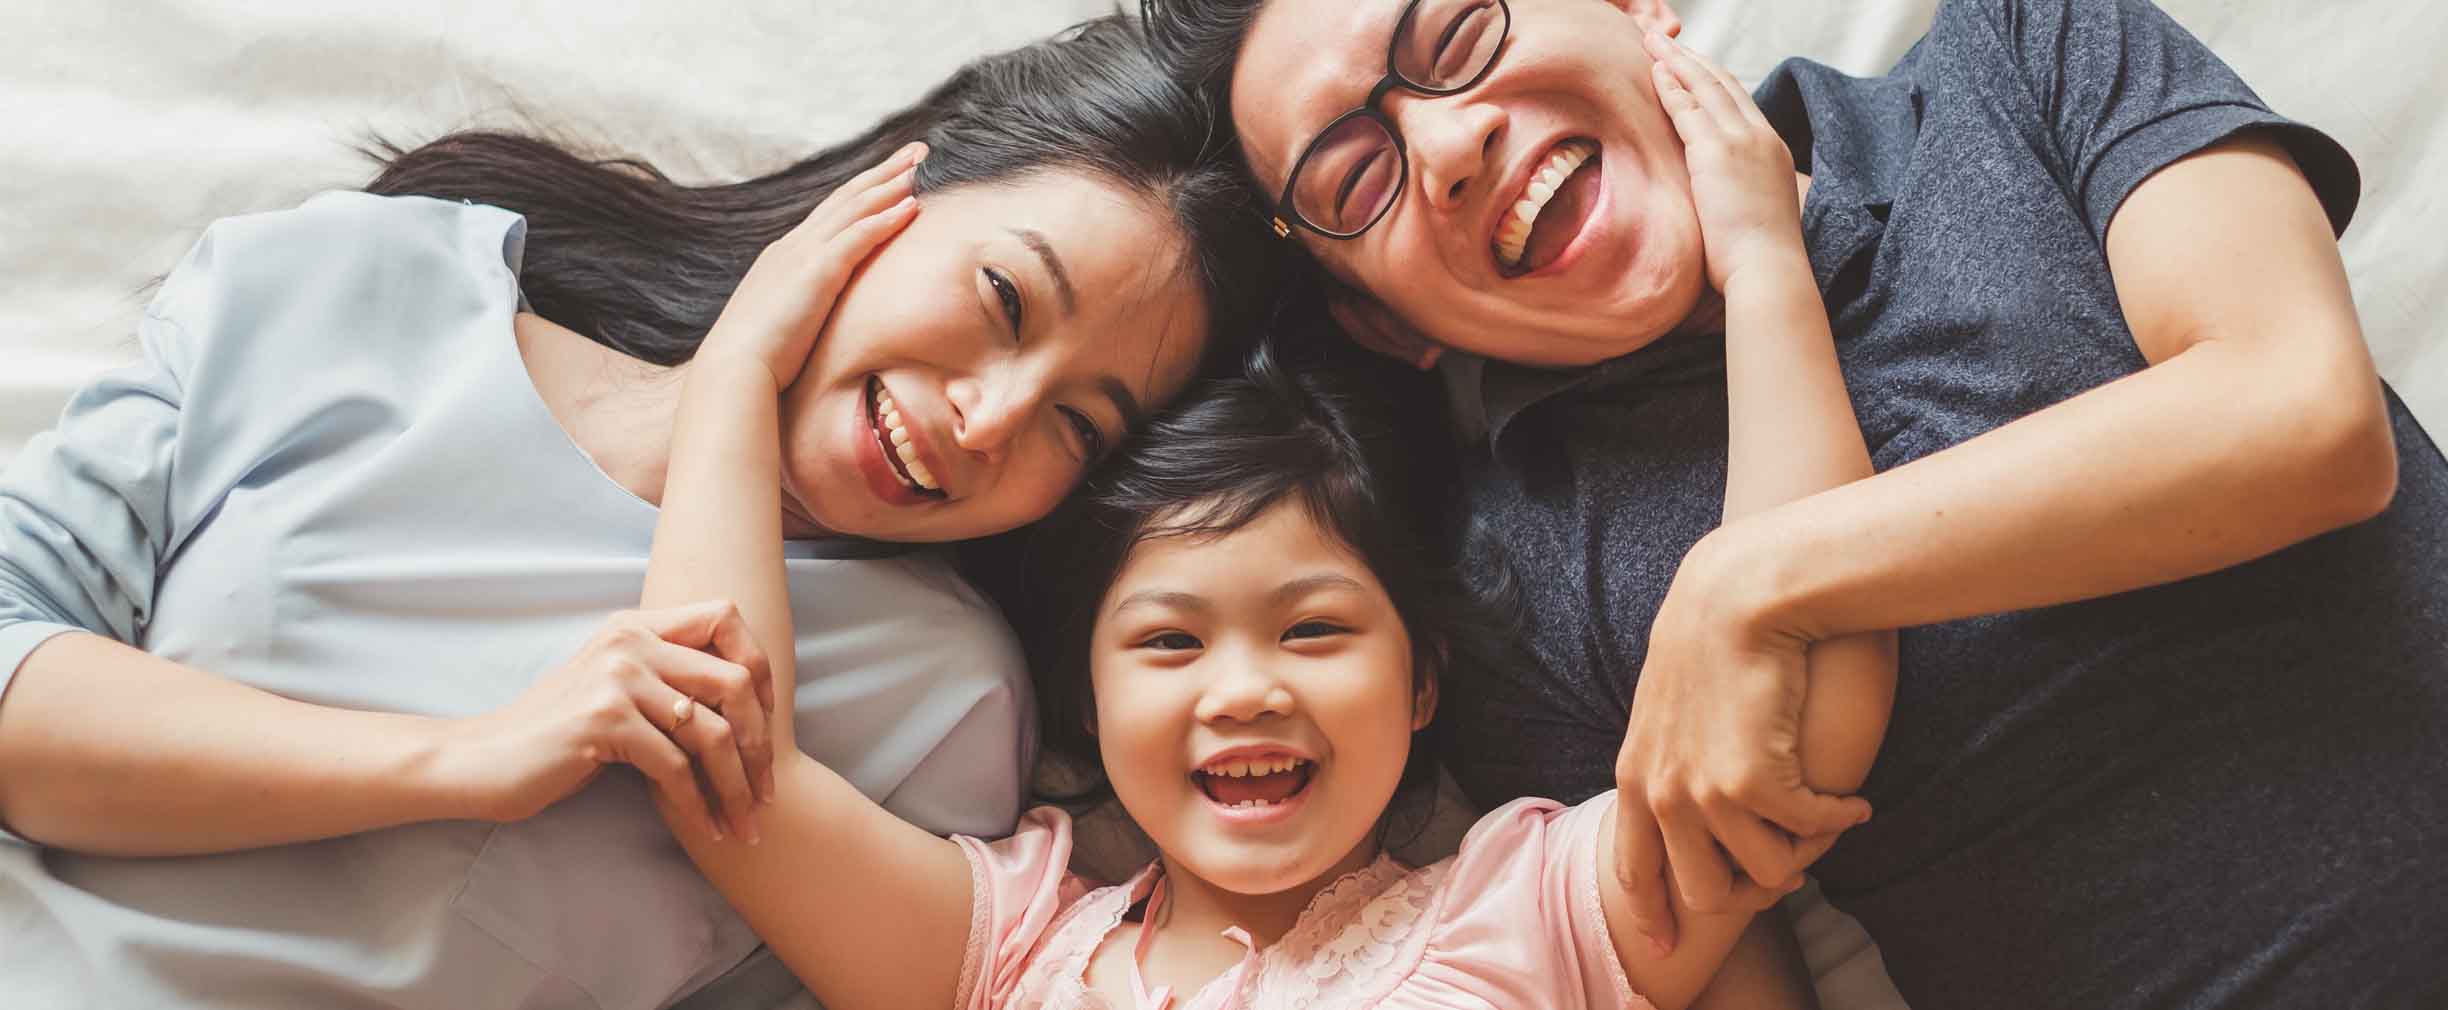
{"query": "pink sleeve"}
[(1017, 887), (1521, 912)]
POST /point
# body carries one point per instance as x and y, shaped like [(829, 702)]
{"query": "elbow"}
[(2350, 455)]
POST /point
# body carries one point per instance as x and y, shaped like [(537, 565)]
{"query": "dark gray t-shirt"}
[(2223, 792)]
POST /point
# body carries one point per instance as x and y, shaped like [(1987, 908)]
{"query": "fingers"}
[(728, 689), (1804, 813), (879, 187), (1699, 870), (642, 744), (1710, 89), (1765, 854), (1640, 868), (715, 625), (709, 747)]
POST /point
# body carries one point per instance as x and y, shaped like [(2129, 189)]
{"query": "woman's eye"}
[(1092, 440), (1009, 293), (1312, 629), (1170, 641)]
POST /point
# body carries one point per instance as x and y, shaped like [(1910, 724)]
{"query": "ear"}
[(1652, 15), (1371, 325), (1424, 700)]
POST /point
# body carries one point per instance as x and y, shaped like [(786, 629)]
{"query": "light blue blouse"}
[(331, 478)]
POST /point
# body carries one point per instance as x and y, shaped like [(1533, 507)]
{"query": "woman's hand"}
[(782, 303), (1710, 775), (1742, 175), (682, 694)]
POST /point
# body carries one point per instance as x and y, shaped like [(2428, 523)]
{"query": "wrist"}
[(441, 772), (1767, 264), (1747, 578)]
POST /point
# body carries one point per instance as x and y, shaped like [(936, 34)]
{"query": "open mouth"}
[(1254, 784), (893, 436), (1552, 210)]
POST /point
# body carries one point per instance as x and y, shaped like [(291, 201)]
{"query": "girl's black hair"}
[(618, 251), (1200, 41), (1359, 445)]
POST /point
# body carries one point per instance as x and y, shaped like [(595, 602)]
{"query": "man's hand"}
[(1710, 773)]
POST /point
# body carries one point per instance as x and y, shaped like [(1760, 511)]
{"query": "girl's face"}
[(981, 360), (1616, 251), (1254, 701)]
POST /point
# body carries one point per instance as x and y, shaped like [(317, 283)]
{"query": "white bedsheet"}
[(133, 123)]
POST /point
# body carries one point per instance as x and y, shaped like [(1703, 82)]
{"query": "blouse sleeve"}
[(1522, 913), (1018, 887), (88, 510)]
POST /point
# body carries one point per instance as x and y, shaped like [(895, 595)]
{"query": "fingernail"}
[(718, 834), (753, 835)]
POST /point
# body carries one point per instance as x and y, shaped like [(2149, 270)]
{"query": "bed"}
[(134, 123)]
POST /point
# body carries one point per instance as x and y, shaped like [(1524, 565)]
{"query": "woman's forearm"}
[(2208, 460), (1791, 433), (719, 534), (108, 750)]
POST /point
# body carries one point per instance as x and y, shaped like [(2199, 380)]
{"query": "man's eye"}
[(1313, 629), (1363, 187), (1009, 293), (1170, 641)]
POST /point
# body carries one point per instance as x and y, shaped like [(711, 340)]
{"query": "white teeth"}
[(1245, 769), (1513, 237), (897, 436)]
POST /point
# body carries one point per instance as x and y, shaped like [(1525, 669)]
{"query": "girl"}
[(1244, 625), (288, 601)]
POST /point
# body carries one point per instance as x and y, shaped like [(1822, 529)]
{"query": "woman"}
[(391, 460), (2160, 540)]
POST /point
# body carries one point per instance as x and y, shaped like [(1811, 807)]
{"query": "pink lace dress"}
[(1512, 920)]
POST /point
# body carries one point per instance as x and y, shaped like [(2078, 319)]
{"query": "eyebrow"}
[(1283, 594), (1036, 241), (1124, 403)]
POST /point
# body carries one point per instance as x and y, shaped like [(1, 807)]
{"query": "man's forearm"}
[(2211, 459), (107, 750)]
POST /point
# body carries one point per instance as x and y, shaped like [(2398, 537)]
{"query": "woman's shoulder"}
[(373, 252)]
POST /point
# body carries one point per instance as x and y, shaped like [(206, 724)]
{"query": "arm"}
[(1791, 433), (2258, 424), (867, 910)]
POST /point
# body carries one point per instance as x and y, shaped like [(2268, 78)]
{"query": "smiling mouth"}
[(1265, 782), (892, 435), (1551, 211)]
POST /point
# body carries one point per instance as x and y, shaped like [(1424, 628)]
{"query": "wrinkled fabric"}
[(330, 478), (2221, 792)]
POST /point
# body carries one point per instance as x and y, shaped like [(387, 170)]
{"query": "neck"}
[(618, 410), (1194, 907)]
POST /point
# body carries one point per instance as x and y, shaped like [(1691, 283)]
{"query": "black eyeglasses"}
[(1350, 175)]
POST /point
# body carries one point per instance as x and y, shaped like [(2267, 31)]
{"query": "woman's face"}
[(981, 360), (1254, 701), (1615, 254)]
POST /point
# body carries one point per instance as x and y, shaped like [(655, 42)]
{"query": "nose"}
[(991, 408), (1244, 690), (1452, 141)]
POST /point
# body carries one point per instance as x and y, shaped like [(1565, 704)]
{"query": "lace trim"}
[(1356, 942), (981, 919), (1593, 918)]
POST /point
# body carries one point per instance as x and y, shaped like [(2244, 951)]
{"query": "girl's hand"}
[(782, 303), (681, 694), (1742, 175)]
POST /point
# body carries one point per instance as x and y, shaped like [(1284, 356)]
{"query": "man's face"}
[(1564, 134)]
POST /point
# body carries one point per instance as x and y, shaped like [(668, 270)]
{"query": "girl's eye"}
[(1312, 629), (1092, 440), (1170, 641), (1009, 293)]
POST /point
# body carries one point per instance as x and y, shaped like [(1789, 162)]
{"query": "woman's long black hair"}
[(642, 264)]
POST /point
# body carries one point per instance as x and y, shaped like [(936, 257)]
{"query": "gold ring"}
[(682, 711)]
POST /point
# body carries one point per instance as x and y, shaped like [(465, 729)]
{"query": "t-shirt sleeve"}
[(1523, 914), (2123, 91), (1018, 887)]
